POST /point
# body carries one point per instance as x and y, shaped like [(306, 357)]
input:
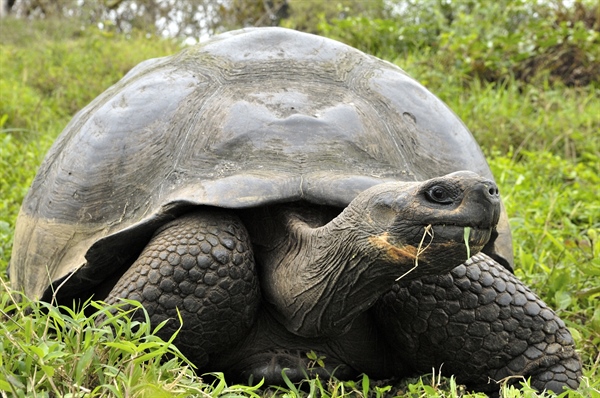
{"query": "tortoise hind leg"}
[(201, 264), (480, 323)]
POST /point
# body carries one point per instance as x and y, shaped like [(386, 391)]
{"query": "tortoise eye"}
[(439, 194)]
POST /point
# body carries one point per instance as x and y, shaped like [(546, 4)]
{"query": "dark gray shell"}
[(248, 118)]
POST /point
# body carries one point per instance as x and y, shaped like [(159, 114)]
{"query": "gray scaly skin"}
[(201, 264), (322, 277), (482, 324)]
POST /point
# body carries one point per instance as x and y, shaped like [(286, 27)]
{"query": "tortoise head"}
[(433, 225)]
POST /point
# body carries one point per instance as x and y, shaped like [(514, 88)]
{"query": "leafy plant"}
[(489, 41)]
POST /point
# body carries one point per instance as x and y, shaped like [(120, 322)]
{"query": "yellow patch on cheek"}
[(396, 253)]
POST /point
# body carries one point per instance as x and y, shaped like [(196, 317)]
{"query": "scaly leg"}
[(201, 264), (480, 323)]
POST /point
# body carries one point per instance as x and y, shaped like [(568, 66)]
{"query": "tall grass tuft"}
[(92, 351)]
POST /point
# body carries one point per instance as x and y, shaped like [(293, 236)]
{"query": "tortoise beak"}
[(483, 200)]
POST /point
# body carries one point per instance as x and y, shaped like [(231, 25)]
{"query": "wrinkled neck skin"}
[(320, 279)]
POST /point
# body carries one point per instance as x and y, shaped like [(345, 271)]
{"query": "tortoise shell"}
[(249, 118)]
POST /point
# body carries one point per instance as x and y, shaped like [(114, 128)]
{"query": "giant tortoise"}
[(289, 194)]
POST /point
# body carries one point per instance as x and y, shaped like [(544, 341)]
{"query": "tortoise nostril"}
[(493, 190), (490, 190)]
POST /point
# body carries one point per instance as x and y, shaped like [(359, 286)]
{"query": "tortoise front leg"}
[(201, 264), (480, 323)]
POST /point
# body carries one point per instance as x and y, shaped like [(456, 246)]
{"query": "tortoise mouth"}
[(477, 236)]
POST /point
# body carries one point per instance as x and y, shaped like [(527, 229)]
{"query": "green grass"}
[(542, 143), (49, 351)]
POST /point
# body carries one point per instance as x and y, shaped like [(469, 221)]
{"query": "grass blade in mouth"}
[(428, 231), (467, 233)]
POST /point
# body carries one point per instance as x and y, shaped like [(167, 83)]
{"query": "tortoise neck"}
[(323, 277)]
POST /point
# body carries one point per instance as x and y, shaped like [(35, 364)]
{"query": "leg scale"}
[(202, 265), (482, 324)]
